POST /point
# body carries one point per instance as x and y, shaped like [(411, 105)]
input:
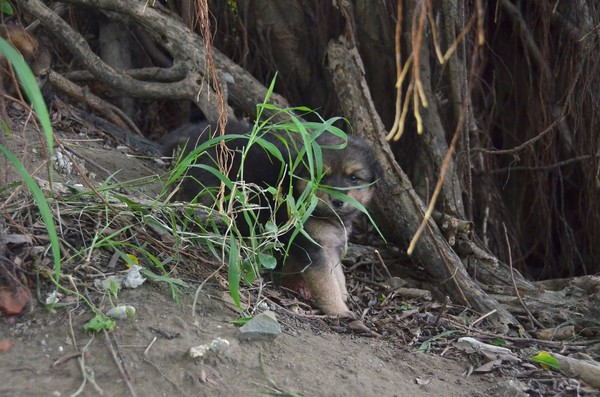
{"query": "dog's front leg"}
[(322, 280)]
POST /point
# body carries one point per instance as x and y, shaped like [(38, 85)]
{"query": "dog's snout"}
[(337, 203)]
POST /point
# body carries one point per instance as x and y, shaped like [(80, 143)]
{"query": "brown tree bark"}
[(397, 199)]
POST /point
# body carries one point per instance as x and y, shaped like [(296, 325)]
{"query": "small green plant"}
[(404, 307), (546, 360), (99, 323), (6, 8), (446, 334)]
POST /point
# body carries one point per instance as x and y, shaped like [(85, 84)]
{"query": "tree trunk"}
[(397, 198)]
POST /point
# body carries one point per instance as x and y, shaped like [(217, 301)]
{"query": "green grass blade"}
[(234, 273), (30, 86), (42, 204), (33, 93)]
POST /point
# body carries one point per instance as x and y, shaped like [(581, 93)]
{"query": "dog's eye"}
[(353, 178)]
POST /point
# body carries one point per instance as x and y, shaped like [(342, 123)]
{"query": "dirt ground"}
[(148, 355), (51, 353)]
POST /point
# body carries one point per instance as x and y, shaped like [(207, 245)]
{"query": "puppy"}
[(348, 176)]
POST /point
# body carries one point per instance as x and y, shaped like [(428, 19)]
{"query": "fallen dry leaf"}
[(14, 302), (5, 345), (18, 239), (489, 366)]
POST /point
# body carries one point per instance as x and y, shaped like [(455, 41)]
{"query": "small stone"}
[(262, 327), (198, 351), (121, 312), (216, 346)]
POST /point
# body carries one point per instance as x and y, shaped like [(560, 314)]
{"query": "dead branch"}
[(185, 47), (111, 112), (82, 52)]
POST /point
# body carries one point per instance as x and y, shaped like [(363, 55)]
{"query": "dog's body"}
[(350, 171)]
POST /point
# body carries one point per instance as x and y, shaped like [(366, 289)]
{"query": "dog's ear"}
[(369, 156), (235, 126), (377, 169), (185, 135)]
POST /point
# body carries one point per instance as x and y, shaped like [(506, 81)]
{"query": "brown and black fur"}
[(351, 171)]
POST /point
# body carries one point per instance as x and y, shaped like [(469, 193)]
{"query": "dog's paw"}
[(337, 309)]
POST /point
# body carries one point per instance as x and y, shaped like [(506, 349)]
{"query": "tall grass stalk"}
[(29, 84)]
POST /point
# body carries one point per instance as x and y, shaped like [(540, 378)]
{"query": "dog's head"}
[(349, 175)]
